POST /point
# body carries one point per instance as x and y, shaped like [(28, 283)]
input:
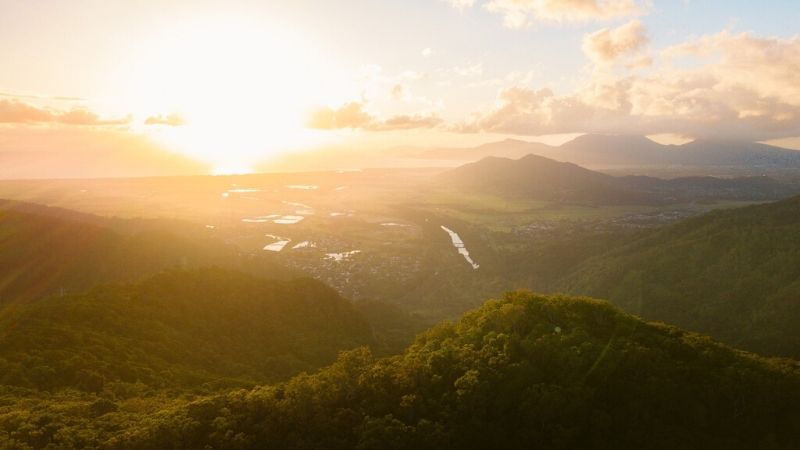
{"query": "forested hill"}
[(180, 329), (541, 178), (523, 372), (51, 250), (538, 177), (632, 151), (732, 274)]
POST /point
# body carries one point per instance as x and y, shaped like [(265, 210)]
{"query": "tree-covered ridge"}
[(526, 371), (534, 176), (538, 177), (734, 275), (181, 329), (47, 250)]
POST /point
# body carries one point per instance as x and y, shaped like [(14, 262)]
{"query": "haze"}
[(400, 224), (174, 87)]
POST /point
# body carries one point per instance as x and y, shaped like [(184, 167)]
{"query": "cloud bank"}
[(607, 45), (732, 86), (172, 120), (353, 116), (16, 112), (523, 13)]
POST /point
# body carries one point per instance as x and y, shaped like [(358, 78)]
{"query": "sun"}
[(242, 88)]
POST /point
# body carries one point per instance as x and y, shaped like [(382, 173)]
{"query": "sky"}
[(231, 84)]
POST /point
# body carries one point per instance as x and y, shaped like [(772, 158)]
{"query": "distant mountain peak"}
[(612, 138), (536, 176), (602, 151), (507, 142)]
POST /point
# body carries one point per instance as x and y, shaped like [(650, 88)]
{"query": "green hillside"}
[(541, 178), (733, 274), (526, 371), (172, 361), (180, 329), (537, 177), (51, 250)]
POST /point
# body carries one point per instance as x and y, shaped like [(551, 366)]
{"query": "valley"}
[(167, 297), (399, 225), (388, 235), (375, 234)]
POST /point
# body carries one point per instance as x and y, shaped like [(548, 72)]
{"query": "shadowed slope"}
[(526, 371), (179, 329), (733, 274)]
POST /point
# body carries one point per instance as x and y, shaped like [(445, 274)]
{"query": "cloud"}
[(609, 44), (15, 111), (770, 66), (42, 97), (398, 92), (406, 122), (172, 120), (79, 116), (84, 152), (466, 71), (352, 115), (523, 13), (737, 87), (426, 52), (640, 62), (460, 4), (521, 110)]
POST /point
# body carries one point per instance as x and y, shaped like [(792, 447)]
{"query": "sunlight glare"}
[(242, 88)]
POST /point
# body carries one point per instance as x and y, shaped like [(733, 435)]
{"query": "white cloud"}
[(609, 44), (406, 122), (460, 4), (522, 13), (349, 115), (17, 112), (172, 120), (739, 87), (353, 115), (398, 92)]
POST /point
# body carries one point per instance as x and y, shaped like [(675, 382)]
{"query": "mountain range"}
[(603, 151), (628, 153), (538, 177)]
